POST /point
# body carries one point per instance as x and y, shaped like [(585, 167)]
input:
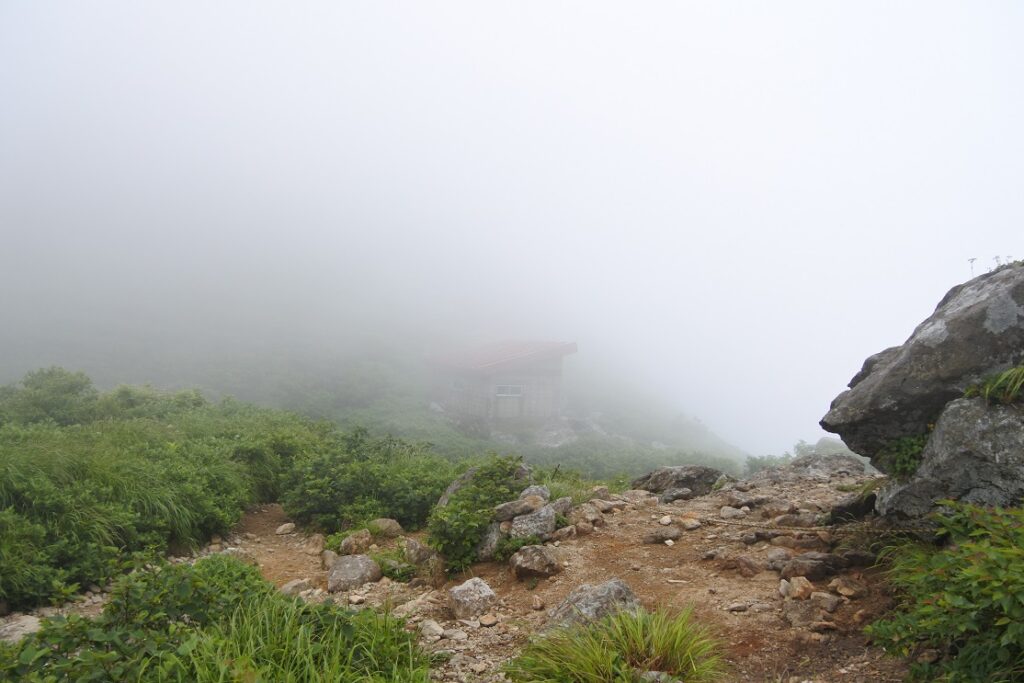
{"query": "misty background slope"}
[(727, 206)]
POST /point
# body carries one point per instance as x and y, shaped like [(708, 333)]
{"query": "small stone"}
[(431, 628), (799, 588), (296, 586), (669, 542), (665, 521), (728, 512), (826, 601), (488, 620), (662, 535), (470, 598), (848, 587), (737, 607), (356, 599), (691, 524), (287, 528), (537, 604), (455, 634)]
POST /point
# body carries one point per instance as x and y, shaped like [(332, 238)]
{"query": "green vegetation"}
[(902, 457), (393, 565), (757, 463), (214, 621), (362, 478), (457, 528), (1006, 387), (965, 600), (621, 647)]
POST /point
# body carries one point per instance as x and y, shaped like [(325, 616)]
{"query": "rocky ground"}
[(724, 554), (723, 560)]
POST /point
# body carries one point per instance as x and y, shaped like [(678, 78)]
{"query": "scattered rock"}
[(356, 599), (600, 492), (562, 506), (470, 599), (19, 626), (797, 588), (521, 506), (663, 534), (737, 607), (587, 602), (728, 512), (286, 528), (813, 565), (690, 524), (801, 613), (564, 534), (417, 553), (537, 603), (296, 586), (356, 543), (455, 634), (588, 513), (672, 495), (536, 490), (665, 521), (386, 527), (848, 587), (314, 545), (535, 560), (540, 524), (431, 629), (488, 544), (352, 571), (488, 620), (826, 601), (327, 559)]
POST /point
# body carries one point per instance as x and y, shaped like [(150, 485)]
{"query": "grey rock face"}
[(386, 527), (487, 546), (976, 330), (535, 560), (522, 506), (540, 524), (356, 543), (352, 571), (672, 495), (697, 478), (588, 603), (536, 490), (470, 599), (975, 454)]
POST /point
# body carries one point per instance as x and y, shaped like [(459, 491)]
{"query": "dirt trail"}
[(746, 612)]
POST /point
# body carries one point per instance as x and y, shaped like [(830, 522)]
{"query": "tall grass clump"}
[(964, 601), (620, 648), (217, 620), (290, 641), (1006, 387)]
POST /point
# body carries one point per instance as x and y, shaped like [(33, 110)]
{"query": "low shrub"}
[(393, 564), (364, 478), (902, 457), (456, 529), (620, 648), (965, 600)]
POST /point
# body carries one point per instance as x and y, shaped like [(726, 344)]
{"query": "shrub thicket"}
[(456, 529), (621, 648), (363, 478), (965, 600), (214, 621)]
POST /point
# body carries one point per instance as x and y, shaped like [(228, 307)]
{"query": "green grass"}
[(1006, 387), (618, 648), (290, 642)]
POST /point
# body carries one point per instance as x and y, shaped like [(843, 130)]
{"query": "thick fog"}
[(729, 203)]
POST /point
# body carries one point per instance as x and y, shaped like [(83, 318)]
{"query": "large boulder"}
[(977, 330), (975, 454), (352, 571), (535, 560), (698, 478), (540, 524), (471, 598), (588, 603)]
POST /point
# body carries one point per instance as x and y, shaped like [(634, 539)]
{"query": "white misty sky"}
[(734, 202)]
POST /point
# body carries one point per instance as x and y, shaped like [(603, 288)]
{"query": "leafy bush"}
[(965, 600), (1006, 387), (620, 648), (902, 457), (213, 621), (149, 472), (49, 394), (393, 564), (757, 463), (363, 478), (456, 529)]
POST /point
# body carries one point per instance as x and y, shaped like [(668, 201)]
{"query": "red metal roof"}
[(500, 353)]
